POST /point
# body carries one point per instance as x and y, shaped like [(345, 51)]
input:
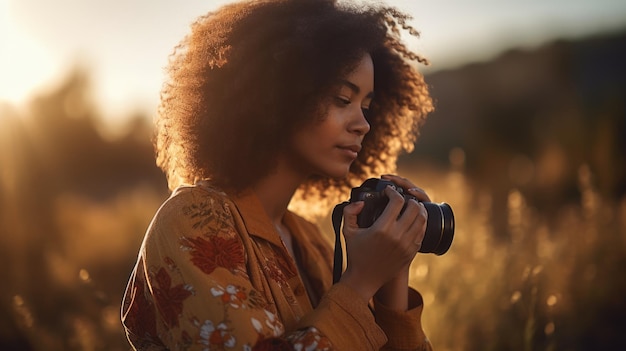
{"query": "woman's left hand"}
[(408, 187)]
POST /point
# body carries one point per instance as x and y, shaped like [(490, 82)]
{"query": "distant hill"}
[(530, 119)]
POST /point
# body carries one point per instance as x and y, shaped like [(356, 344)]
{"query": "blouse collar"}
[(255, 219)]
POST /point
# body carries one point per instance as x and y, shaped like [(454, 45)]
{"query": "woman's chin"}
[(339, 174)]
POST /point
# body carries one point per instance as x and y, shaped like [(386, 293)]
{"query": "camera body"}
[(440, 224)]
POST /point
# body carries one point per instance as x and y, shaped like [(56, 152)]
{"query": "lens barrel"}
[(439, 228)]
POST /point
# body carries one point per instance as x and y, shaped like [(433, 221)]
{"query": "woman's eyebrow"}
[(355, 88)]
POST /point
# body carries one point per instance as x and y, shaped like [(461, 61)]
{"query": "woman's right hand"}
[(376, 254)]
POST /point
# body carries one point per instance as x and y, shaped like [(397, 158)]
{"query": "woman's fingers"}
[(417, 229), (411, 211), (408, 187), (350, 213), (393, 208), (419, 193), (403, 219), (412, 222)]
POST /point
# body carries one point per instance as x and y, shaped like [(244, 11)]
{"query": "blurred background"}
[(527, 144)]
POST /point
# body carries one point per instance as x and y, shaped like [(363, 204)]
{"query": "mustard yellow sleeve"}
[(345, 318), (403, 328)]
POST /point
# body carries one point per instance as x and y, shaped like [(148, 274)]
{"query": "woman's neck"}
[(276, 190)]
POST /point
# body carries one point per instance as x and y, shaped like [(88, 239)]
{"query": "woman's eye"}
[(342, 100)]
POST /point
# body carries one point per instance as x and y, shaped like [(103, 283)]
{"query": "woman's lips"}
[(351, 150)]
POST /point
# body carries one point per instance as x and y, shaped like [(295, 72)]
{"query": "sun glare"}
[(24, 63)]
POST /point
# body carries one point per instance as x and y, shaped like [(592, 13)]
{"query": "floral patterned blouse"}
[(213, 274)]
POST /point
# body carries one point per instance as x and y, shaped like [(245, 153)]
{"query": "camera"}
[(439, 226)]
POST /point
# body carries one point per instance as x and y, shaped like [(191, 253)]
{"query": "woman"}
[(267, 103)]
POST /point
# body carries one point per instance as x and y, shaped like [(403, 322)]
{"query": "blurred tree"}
[(75, 155)]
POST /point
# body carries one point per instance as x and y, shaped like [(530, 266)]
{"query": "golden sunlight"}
[(24, 63)]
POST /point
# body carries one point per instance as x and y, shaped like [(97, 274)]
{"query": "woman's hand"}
[(384, 251), (394, 294), (408, 186)]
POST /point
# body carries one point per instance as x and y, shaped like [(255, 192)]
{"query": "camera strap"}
[(337, 217)]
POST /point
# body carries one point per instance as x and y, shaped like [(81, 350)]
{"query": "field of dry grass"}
[(546, 284)]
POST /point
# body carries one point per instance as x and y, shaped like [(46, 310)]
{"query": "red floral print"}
[(141, 313), (216, 252), (169, 299), (280, 270)]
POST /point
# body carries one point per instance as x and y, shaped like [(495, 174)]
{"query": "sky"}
[(125, 43)]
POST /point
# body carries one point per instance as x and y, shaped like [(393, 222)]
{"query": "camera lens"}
[(439, 228)]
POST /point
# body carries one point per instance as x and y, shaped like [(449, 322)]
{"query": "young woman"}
[(270, 102)]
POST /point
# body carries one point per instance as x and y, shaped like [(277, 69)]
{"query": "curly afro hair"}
[(252, 72)]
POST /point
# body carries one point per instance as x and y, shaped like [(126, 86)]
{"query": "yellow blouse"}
[(213, 274)]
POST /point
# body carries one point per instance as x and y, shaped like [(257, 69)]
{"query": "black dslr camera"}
[(440, 224)]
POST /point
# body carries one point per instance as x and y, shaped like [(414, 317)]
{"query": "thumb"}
[(350, 213)]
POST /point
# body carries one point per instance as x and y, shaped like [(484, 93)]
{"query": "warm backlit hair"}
[(252, 72)]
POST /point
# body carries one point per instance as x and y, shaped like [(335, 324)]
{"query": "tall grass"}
[(544, 283), (540, 284)]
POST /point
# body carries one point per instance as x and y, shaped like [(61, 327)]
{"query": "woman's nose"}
[(360, 125)]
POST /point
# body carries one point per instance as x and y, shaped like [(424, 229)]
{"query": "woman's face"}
[(327, 147)]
